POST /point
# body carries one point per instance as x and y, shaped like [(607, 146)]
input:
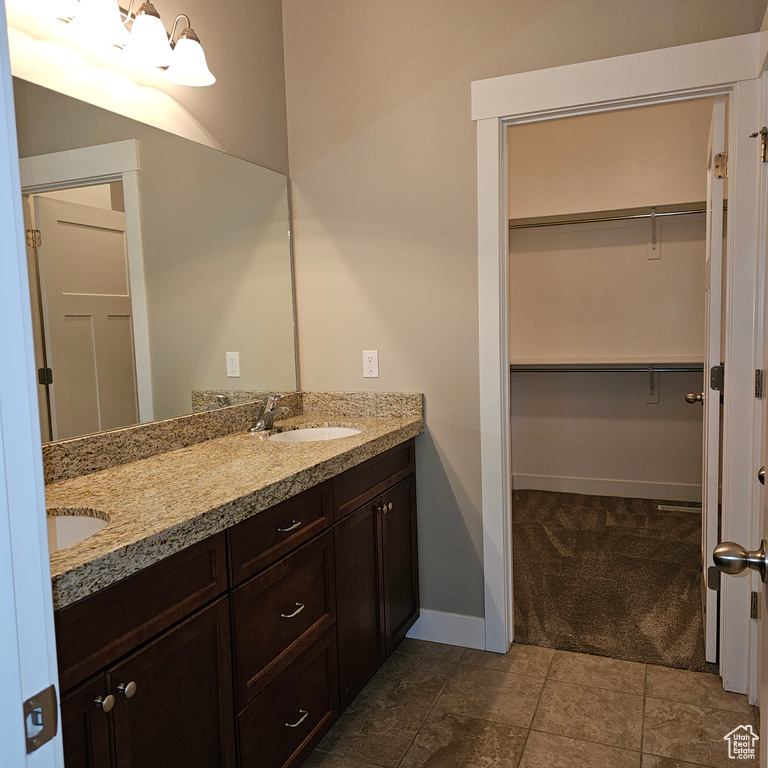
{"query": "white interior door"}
[(712, 357), (87, 314)]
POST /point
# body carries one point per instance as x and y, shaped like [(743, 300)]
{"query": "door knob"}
[(692, 397), (732, 558), (761, 475)]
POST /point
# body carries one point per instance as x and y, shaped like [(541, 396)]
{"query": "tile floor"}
[(440, 706)]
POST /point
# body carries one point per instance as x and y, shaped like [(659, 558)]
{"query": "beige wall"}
[(595, 433), (623, 159), (383, 159), (243, 113)]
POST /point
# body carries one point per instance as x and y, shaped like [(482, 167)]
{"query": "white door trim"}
[(670, 74), (27, 641), (116, 161)]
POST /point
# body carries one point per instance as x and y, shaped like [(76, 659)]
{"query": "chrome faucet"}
[(267, 413), (222, 401)]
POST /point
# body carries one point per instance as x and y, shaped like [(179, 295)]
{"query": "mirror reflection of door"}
[(84, 327)]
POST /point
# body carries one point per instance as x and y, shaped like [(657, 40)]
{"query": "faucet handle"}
[(270, 401)]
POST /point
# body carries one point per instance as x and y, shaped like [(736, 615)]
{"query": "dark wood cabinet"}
[(359, 588), (171, 702), (181, 711), (377, 580), (85, 726), (242, 649), (401, 572), (284, 724), (278, 614), (92, 633)]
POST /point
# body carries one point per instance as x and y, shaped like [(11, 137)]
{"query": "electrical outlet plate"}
[(233, 365), (371, 363)]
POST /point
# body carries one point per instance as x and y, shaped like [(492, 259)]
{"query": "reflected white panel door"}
[(712, 357), (87, 317)]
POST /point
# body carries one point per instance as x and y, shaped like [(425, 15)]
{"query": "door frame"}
[(104, 163), (729, 66), (27, 640)]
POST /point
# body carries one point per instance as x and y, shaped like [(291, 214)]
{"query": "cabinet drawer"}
[(284, 724), (267, 536), (358, 485), (280, 613), (97, 630)]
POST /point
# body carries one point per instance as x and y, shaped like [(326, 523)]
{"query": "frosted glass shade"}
[(149, 41), (47, 9), (100, 21), (188, 66)]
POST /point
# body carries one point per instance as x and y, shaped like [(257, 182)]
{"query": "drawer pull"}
[(292, 527), (304, 714), (299, 609)]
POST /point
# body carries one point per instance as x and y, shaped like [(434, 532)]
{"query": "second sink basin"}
[(312, 434), (69, 526)]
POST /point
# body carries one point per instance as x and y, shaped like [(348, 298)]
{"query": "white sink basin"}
[(66, 528), (312, 434)]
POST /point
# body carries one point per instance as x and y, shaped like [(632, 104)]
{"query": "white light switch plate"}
[(233, 365), (370, 363)]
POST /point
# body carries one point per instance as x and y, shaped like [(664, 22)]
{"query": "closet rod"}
[(603, 369), (621, 214)]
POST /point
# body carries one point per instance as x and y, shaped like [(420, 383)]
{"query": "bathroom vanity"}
[(242, 647)]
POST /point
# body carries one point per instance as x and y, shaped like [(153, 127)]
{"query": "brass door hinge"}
[(759, 379), (721, 165), (33, 238), (763, 134)]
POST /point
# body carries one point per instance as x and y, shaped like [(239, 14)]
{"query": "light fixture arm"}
[(187, 31), (127, 15)]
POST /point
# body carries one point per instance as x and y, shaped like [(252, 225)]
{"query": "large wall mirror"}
[(162, 267)]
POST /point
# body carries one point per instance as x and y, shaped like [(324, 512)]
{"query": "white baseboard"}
[(595, 486), (450, 628)]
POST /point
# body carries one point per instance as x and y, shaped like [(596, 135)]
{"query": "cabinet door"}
[(401, 574), (359, 603), (85, 727), (181, 712)]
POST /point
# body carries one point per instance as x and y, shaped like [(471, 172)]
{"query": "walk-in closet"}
[(607, 336)]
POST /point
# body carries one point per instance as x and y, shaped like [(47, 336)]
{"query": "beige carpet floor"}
[(608, 576)]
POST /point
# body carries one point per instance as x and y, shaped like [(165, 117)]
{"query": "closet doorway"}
[(614, 297)]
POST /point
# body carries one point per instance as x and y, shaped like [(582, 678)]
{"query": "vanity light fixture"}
[(100, 21), (188, 66), (48, 9), (148, 40), (182, 59)]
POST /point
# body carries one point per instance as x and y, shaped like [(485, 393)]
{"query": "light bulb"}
[(47, 9), (188, 66), (149, 40), (100, 21)]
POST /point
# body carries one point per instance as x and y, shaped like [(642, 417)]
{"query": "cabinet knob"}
[(304, 714), (127, 689), (106, 703), (389, 506)]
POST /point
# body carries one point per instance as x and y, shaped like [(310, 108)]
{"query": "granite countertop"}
[(160, 505)]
